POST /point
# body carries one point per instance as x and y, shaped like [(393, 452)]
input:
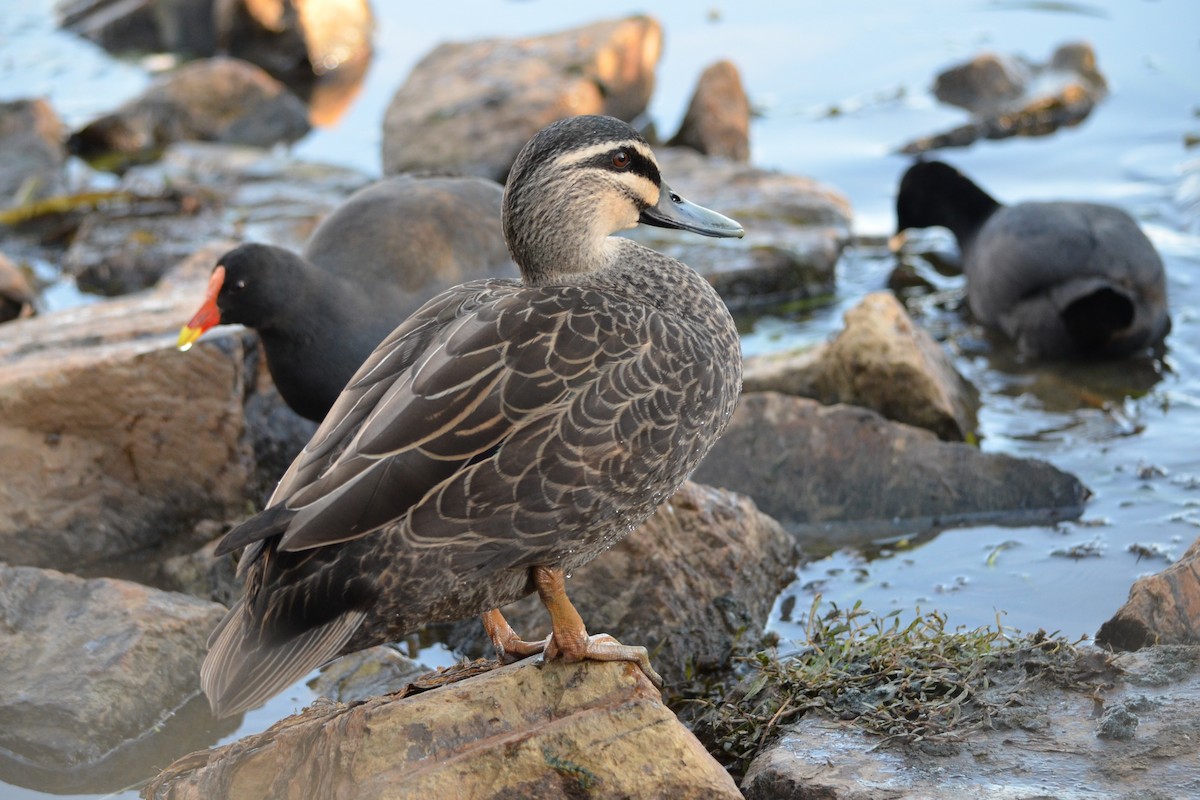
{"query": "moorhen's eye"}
[(239, 284), (621, 159)]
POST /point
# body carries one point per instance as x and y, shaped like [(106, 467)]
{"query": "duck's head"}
[(248, 286), (578, 181)]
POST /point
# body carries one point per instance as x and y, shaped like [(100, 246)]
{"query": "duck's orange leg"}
[(569, 639), (509, 646)]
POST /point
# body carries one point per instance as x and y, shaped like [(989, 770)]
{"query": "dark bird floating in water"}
[(1061, 279), (373, 261), (505, 433)]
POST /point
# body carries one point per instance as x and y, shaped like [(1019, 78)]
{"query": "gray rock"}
[(32, 154), (881, 360), (1059, 757), (469, 107), (217, 99), (145, 26), (717, 122), (91, 664), (795, 230), (807, 464), (198, 193), (698, 575)]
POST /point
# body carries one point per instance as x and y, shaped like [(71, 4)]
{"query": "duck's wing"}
[(440, 395)]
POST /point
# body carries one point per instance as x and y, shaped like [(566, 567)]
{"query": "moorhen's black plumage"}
[(1061, 279), (369, 264), (506, 432)]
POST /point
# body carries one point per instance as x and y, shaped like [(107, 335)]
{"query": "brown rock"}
[(470, 107), (111, 438), (883, 361), (525, 730), (1161, 609), (90, 664), (295, 40), (215, 99), (717, 122), (32, 155), (698, 574), (804, 463), (16, 295)]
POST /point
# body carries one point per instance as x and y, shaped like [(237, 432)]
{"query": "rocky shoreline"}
[(126, 459)]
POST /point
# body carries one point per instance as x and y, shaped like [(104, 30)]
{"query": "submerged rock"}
[(807, 464), (526, 730), (795, 230), (881, 360), (717, 122), (699, 574), (1048, 743), (1010, 96), (88, 666), (1162, 609), (469, 107)]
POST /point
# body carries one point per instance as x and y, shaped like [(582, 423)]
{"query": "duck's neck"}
[(550, 240)]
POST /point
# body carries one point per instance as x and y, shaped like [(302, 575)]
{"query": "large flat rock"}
[(526, 730)]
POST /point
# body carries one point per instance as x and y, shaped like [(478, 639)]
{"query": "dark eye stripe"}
[(638, 163)]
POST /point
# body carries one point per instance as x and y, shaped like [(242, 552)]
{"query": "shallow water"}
[(1127, 429)]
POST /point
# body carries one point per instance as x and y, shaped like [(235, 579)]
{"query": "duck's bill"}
[(208, 315), (672, 211)]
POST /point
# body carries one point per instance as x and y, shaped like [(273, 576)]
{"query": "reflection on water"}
[(1127, 429)]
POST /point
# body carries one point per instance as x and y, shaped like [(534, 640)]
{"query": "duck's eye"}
[(621, 159)]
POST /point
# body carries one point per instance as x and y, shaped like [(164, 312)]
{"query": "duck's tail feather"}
[(243, 669)]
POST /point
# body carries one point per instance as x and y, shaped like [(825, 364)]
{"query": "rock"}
[(217, 99), (88, 666), (717, 122), (702, 571), (198, 193), (1162, 609), (883, 361), (202, 573), (365, 674), (795, 230), (296, 41), (469, 107), (525, 730), (1013, 97), (1049, 745), (114, 254), (112, 439), (32, 155), (16, 295), (806, 464), (145, 26)]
